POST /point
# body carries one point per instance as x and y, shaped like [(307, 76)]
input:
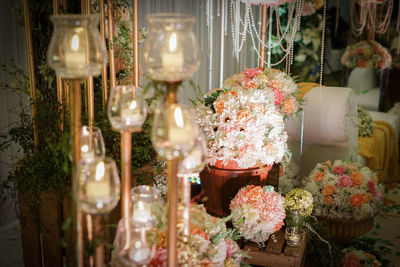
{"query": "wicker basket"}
[(344, 231)]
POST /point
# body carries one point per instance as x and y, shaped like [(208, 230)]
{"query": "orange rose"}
[(243, 115), (232, 93), (357, 178), (218, 106), (255, 194), (328, 190), (319, 177), (328, 200), (367, 198), (250, 85), (357, 200)]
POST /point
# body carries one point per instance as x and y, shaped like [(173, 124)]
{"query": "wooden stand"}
[(276, 254)]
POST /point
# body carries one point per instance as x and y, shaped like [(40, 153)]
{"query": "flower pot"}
[(220, 185), (362, 79), (344, 231)]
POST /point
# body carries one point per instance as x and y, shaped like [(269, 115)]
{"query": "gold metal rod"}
[(263, 35), (135, 41), (98, 234), (104, 79), (89, 227), (76, 132), (113, 77), (31, 69), (172, 169), (126, 152), (90, 81), (60, 98), (66, 95)]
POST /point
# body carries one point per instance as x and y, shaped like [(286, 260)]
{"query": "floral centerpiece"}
[(347, 196), (366, 54), (257, 212), (344, 190), (358, 258), (311, 6), (241, 125), (210, 242), (280, 84)]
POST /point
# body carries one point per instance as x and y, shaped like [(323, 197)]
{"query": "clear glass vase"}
[(146, 204), (76, 49), (170, 52)]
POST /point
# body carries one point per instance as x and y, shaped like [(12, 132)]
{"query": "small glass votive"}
[(145, 202), (135, 245), (294, 236)]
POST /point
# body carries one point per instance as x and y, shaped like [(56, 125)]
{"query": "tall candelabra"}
[(76, 52), (170, 56)]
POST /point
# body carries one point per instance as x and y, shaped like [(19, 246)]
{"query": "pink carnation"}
[(371, 186), (351, 260), (228, 248), (160, 260), (250, 73), (278, 97), (345, 180), (339, 170)]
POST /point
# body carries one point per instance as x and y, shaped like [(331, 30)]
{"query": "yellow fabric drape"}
[(304, 88), (382, 152)]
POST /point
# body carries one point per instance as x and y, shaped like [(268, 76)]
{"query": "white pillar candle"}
[(179, 132), (130, 113), (142, 211), (172, 58), (99, 188), (75, 56)]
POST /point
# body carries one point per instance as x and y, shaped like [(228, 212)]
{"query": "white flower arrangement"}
[(344, 190), (242, 126), (257, 212)]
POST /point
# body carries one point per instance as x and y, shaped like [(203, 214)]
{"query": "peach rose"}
[(288, 105), (319, 177), (357, 200), (250, 85), (255, 194), (219, 106), (328, 200), (367, 197), (357, 178), (328, 190), (275, 85)]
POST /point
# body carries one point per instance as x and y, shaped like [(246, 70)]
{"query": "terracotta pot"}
[(221, 184), (344, 231)]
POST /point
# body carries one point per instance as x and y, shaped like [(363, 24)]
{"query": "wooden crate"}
[(276, 254)]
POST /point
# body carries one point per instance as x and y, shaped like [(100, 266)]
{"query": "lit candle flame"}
[(178, 117), (84, 148), (132, 105), (75, 43), (172, 42), (100, 171)]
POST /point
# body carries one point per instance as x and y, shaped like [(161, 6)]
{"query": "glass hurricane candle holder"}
[(98, 187), (140, 249), (195, 161), (170, 52), (76, 49), (145, 204), (174, 131), (294, 236), (92, 145), (127, 108)]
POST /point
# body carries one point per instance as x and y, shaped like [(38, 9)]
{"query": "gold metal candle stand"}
[(172, 180), (104, 80)]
